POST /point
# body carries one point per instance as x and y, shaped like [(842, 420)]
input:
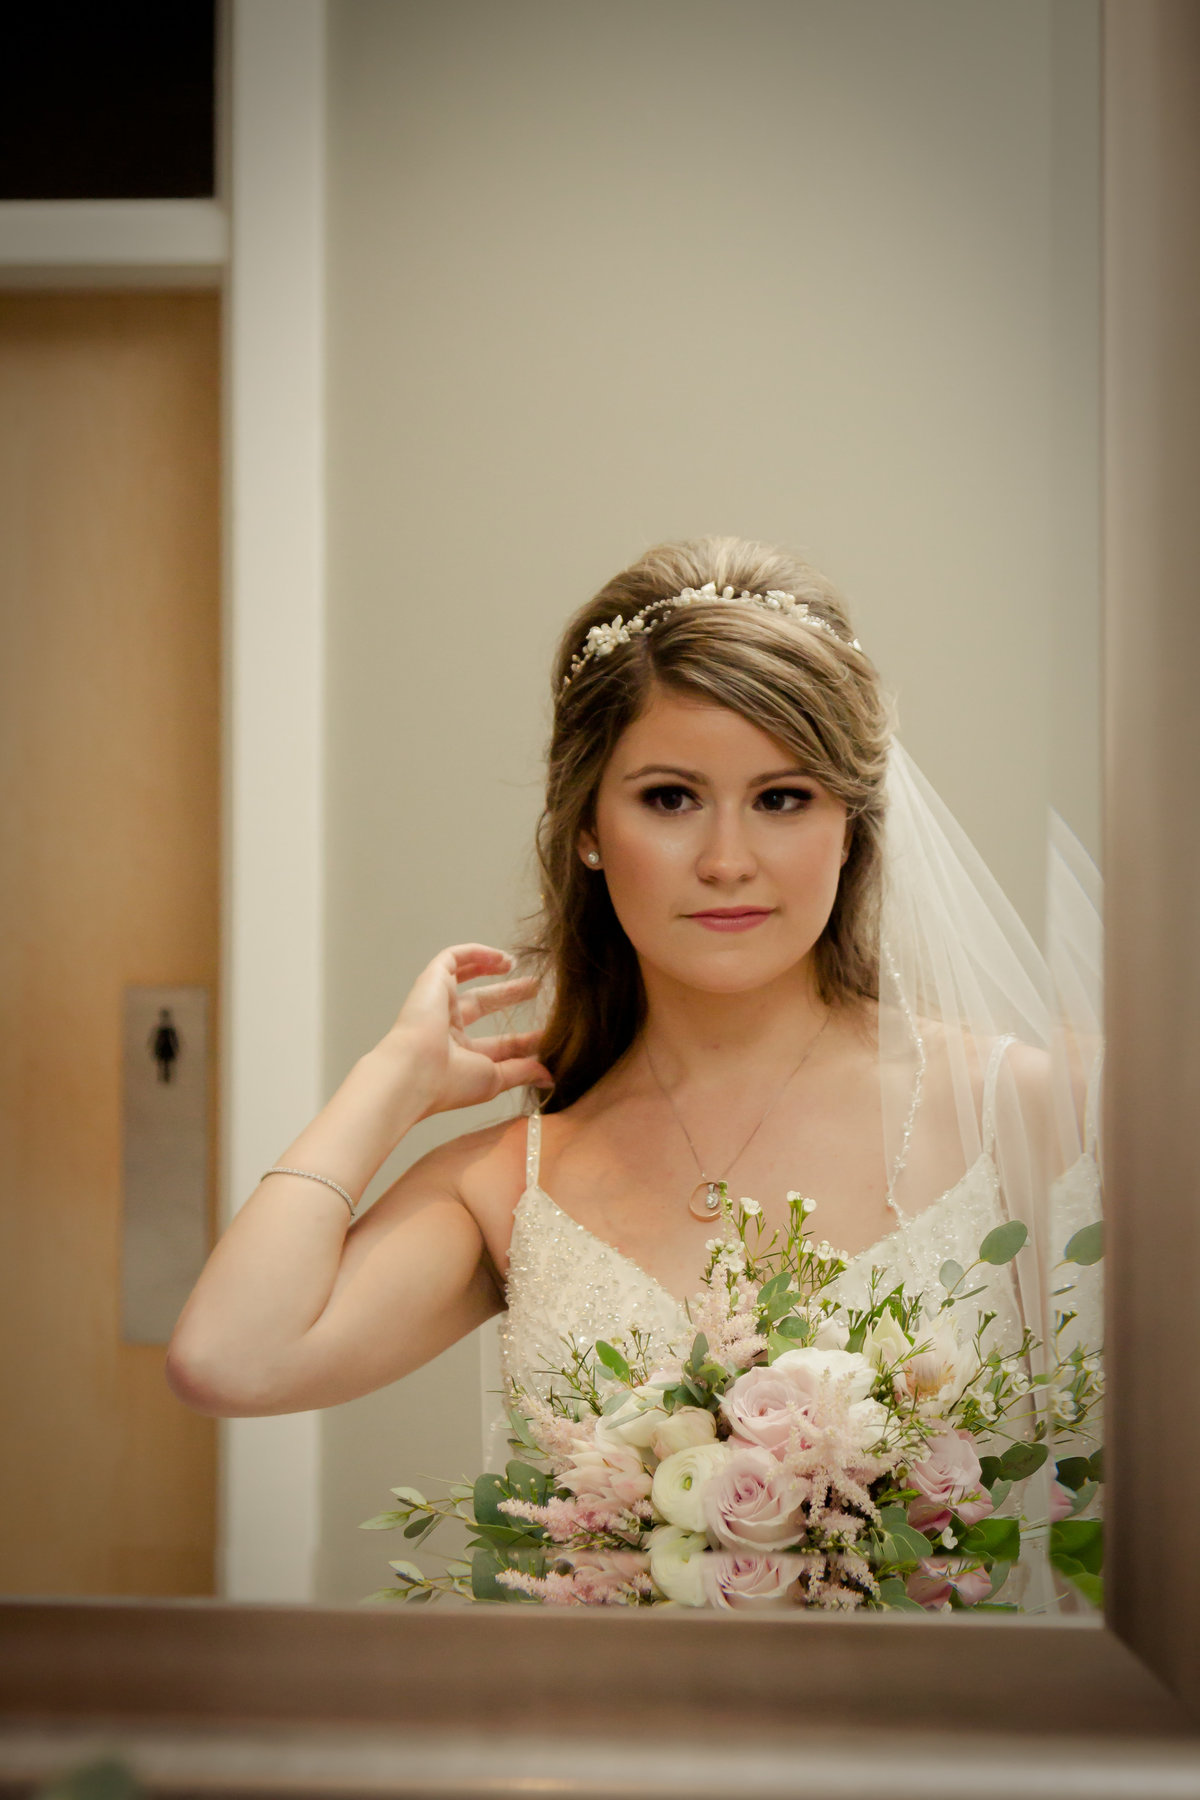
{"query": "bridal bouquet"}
[(806, 1451)]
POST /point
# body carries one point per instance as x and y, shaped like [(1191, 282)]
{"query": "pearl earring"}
[(593, 859)]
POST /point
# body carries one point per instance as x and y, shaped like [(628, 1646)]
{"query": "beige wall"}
[(818, 271)]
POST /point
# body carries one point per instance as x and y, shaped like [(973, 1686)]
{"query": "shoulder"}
[(484, 1170)]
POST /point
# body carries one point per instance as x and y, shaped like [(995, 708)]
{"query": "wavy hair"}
[(812, 689)]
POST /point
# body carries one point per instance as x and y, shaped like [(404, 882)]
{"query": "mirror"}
[(820, 275)]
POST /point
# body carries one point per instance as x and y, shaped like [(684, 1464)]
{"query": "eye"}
[(785, 800), (668, 799)]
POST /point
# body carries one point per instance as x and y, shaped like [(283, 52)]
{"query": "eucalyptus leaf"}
[(486, 1496), (407, 1571), (1078, 1540), (1084, 1497), (893, 1595), (485, 1566), (417, 1529), (793, 1328), (385, 1521), (904, 1544), (1020, 1460), (526, 1483), (699, 1350), (1087, 1245), (989, 1470), (998, 1539), (1096, 1464), (1000, 1571), (612, 1360), (1001, 1244), (1073, 1472), (950, 1273), (412, 1495), (1000, 1491)]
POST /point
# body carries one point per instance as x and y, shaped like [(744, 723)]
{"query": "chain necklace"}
[(704, 1202)]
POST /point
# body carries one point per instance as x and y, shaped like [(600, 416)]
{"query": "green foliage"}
[(1080, 1541), (1001, 1244), (893, 1596), (612, 1360), (899, 1542), (1021, 1460), (1087, 1245), (950, 1274), (997, 1539)]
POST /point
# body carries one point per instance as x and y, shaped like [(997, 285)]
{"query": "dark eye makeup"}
[(672, 798)]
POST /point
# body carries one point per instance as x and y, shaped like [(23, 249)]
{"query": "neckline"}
[(888, 1237)]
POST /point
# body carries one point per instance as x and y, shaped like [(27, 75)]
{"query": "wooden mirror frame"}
[(242, 1699)]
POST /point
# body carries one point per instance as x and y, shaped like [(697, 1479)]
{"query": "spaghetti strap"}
[(533, 1149), (990, 1080)]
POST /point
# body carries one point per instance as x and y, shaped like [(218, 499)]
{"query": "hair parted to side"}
[(810, 688)]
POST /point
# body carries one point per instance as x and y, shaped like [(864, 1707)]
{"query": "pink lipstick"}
[(731, 918)]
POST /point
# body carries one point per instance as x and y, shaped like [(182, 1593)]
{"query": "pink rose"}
[(766, 1406), (948, 1478), (751, 1504), (937, 1577), (607, 1471), (734, 1582)]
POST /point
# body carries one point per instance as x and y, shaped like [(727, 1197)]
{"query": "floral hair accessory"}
[(602, 640)]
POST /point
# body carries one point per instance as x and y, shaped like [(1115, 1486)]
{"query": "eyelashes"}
[(673, 800)]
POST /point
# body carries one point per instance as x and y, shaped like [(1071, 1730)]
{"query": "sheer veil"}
[(985, 1039)]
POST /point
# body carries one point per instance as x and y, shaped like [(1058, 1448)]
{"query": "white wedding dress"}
[(563, 1280)]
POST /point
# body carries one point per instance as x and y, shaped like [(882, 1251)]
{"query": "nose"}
[(727, 854)]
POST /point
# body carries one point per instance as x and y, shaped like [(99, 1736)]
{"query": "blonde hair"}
[(811, 689)]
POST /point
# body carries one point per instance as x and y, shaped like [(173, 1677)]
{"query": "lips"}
[(731, 918)]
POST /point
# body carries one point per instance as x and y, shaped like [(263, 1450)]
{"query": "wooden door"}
[(109, 752)]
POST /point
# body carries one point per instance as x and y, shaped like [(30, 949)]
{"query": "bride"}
[(769, 959)]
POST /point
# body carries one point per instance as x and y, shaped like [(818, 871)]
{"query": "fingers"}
[(499, 1049), (465, 961), (522, 1071), (495, 996)]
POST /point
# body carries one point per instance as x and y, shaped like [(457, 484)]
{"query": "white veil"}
[(987, 1044)]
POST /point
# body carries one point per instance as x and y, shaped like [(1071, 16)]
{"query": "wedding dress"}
[(564, 1281)]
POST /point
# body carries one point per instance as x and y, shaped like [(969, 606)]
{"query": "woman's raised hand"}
[(454, 1069)]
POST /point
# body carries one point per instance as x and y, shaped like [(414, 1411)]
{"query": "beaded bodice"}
[(563, 1280)]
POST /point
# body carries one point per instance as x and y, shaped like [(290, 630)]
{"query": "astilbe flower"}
[(558, 1436), (581, 1517), (728, 1318), (603, 1581)]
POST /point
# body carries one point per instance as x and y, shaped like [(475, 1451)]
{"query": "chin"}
[(732, 973)]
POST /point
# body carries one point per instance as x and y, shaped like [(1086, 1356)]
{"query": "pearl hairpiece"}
[(602, 640)]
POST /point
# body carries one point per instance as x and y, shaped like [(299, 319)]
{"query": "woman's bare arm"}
[(293, 1309)]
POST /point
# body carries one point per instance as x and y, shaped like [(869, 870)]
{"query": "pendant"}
[(705, 1202)]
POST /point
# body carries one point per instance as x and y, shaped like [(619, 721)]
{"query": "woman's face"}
[(722, 855)]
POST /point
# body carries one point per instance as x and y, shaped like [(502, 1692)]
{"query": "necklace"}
[(704, 1202)]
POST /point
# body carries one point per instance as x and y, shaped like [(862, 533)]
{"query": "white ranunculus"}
[(637, 1418), (886, 1342), (677, 1563), (831, 1334), (839, 1365), (686, 1426), (679, 1481)]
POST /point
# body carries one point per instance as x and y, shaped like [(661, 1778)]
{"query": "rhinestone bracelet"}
[(307, 1175)]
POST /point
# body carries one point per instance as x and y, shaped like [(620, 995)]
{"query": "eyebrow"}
[(696, 777)]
